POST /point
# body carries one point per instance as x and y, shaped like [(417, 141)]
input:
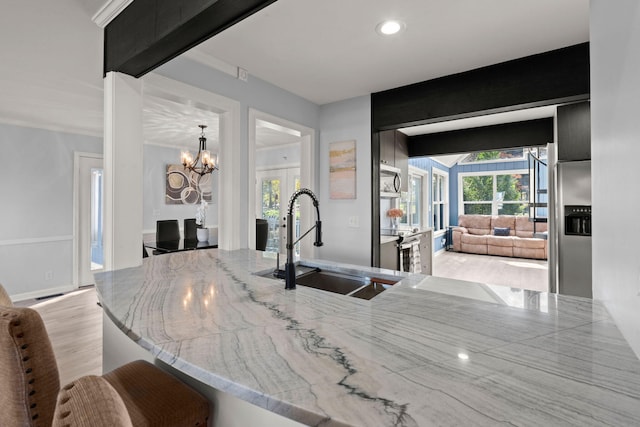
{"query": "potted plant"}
[(394, 214), (202, 232)]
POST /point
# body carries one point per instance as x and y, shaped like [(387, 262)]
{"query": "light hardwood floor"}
[(493, 270), (74, 325)]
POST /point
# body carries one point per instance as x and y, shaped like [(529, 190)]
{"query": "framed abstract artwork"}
[(184, 187), (342, 170)]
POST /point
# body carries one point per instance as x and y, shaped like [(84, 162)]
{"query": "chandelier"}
[(207, 162)]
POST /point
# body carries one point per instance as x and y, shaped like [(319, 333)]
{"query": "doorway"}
[(88, 242), (272, 189), (280, 162), (486, 192)]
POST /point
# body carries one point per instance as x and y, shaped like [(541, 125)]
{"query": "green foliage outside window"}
[(509, 188), (478, 209), (486, 156), (477, 188), (271, 198)]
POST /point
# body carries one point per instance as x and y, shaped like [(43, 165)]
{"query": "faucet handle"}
[(318, 241)]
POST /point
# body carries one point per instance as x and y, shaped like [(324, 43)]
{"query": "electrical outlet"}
[(354, 222), (48, 275), (243, 74)]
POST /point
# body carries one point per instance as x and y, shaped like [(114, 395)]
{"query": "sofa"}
[(502, 235)]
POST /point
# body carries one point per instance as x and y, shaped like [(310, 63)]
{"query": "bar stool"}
[(4, 297), (92, 402), (30, 383)]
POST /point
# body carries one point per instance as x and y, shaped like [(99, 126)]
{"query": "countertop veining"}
[(429, 351)]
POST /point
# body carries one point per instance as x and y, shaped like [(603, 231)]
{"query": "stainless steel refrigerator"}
[(574, 228)]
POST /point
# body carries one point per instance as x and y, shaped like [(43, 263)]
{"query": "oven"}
[(409, 254)]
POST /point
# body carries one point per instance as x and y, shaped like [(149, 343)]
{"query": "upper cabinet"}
[(394, 151), (387, 148), (574, 131)]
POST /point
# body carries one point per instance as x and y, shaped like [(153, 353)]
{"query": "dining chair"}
[(262, 232), (167, 230), (190, 228), (30, 382)]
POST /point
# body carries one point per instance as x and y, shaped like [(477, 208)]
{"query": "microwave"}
[(390, 181)]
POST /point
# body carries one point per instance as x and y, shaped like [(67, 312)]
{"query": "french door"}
[(273, 189)]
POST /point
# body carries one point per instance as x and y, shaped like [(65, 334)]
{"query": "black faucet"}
[(290, 267)]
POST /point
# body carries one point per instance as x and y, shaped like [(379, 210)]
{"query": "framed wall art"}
[(184, 187), (342, 170)]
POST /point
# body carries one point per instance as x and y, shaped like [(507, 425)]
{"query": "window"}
[(411, 201), (495, 156), (495, 193), (97, 252), (440, 200)]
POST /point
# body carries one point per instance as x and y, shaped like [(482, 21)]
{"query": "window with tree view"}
[(496, 193), (440, 200)]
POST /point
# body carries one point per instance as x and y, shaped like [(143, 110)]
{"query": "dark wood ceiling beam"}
[(548, 78), (149, 33), (530, 133)]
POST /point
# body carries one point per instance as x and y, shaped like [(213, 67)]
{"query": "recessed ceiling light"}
[(390, 27)]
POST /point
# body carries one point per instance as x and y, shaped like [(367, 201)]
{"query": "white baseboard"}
[(43, 293), (441, 251)]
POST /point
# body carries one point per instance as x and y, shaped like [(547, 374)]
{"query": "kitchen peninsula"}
[(428, 351)]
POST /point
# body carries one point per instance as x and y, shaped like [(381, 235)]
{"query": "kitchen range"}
[(407, 251)]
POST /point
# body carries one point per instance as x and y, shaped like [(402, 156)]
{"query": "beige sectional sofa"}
[(503, 235)]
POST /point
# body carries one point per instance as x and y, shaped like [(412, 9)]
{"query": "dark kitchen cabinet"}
[(394, 151), (402, 158), (387, 148), (574, 132)]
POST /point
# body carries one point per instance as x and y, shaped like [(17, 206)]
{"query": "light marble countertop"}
[(326, 359)]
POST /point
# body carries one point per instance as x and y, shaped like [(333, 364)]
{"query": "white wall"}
[(615, 147), (343, 121), (254, 93), (36, 214), (346, 120), (156, 159)]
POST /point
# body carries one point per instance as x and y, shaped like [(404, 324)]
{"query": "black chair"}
[(190, 228), (144, 252), (167, 230), (262, 231)]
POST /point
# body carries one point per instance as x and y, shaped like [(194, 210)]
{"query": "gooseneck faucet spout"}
[(290, 267)]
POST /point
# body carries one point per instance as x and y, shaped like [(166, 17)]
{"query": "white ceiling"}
[(324, 51), (174, 124), (328, 50)]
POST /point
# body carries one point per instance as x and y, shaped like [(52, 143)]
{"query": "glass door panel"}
[(274, 187), (270, 197), (97, 252)]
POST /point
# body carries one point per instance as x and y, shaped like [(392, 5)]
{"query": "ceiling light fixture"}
[(207, 161), (390, 27)]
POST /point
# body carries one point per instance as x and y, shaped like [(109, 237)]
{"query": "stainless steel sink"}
[(359, 286)]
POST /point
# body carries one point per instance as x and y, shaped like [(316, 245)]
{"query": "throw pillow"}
[(501, 231)]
